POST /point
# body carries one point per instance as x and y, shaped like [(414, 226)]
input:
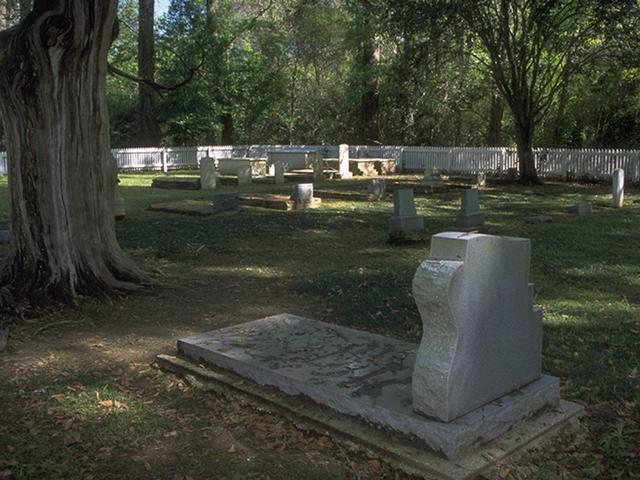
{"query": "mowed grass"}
[(586, 271)]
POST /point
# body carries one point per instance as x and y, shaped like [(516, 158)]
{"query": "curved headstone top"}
[(482, 338)]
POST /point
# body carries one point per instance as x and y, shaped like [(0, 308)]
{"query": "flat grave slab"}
[(177, 183), (359, 374), (200, 208), (344, 195), (276, 202)]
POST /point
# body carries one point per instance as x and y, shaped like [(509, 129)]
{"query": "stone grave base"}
[(177, 183), (345, 195), (276, 202), (199, 208), (369, 376)]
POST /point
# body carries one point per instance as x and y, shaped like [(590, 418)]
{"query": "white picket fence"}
[(559, 163)]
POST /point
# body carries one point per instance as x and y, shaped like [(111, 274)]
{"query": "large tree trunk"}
[(526, 159), (149, 134), (496, 113), (61, 175)]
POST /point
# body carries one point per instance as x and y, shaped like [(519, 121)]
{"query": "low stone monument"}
[(226, 202), (475, 378), (405, 224), (208, 174), (343, 162), (618, 188), (302, 195), (482, 336), (376, 189), (470, 215), (581, 209)]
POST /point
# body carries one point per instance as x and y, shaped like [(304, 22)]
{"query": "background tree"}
[(149, 133), (61, 175)]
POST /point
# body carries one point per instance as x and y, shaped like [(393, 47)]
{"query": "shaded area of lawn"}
[(330, 264)]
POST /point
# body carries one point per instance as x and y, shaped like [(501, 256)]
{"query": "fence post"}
[(163, 159)]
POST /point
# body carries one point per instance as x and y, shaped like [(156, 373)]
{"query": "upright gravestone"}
[(470, 215), (343, 162), (278, 172), (119, 210), (208, 174), (482, 336), (405, 224), (226, 202), (618, 188), (481, 179), (431, 179), (317, 164), (244, 174), (376, 189), (302, 195)]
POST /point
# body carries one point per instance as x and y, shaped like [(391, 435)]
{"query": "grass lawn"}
[(81, 400)]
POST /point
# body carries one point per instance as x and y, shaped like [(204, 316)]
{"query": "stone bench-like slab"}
[(176, 183)]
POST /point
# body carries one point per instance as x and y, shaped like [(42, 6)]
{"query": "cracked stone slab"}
[(359, 374)]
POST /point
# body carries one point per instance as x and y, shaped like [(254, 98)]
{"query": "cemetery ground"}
[(81, 398)]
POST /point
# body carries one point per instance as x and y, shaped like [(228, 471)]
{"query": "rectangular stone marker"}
[(208, 174), (357, 373), (482, 336), (317, 164), (405, 222), (470, 215), (224, 202), (580, 209), (618, 188), (481, 180), (278, 172), (343, 162)]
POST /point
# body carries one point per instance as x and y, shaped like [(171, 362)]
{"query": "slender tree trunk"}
[(496, 113), (61, 175), (149, 134)]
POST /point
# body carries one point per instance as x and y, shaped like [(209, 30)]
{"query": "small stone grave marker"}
[(581, 209), (226, 202), (302, 194), (119, 210), (343, 162), (376, 189), (5, 235), (208, 174), (481, 180), (405, 224), (470, 215)]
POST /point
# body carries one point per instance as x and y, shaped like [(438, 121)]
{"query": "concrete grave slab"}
[(176, 183), (359, 374), (198, 208)]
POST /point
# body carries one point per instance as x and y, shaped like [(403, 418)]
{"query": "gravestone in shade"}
[(482, 336), (208, 174), (470, 215), (580, 209), (431, 178), (317, 164), (376, 189), (244, 174), (512, 173), (226, 202), (119, 210), (481, 179), (618, 188), (5, 235), (343, 162), (405, 223), (278, 172), (302, 194)]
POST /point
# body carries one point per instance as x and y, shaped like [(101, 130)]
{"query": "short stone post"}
[(208, 174), (618, 188), (302, 195), (482, 336), (470, 215), (163, 160), (119, 210), (405, 224), (343, 162)]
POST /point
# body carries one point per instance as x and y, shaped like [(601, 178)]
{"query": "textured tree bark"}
[(496, 113), (526, 159), (149, 134), (61, 175)]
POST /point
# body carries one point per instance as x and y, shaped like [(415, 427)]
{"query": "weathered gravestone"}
[(482, 336), (580, 209), (208, 174), (618, 188), (475, 375), (405, 224), (376, 189), (481, 179), (244, 175), (431, 179), (278, 169), (317, 164), (470, 215), (343, 162), (119, 208), (226, 202), (302, 194)]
